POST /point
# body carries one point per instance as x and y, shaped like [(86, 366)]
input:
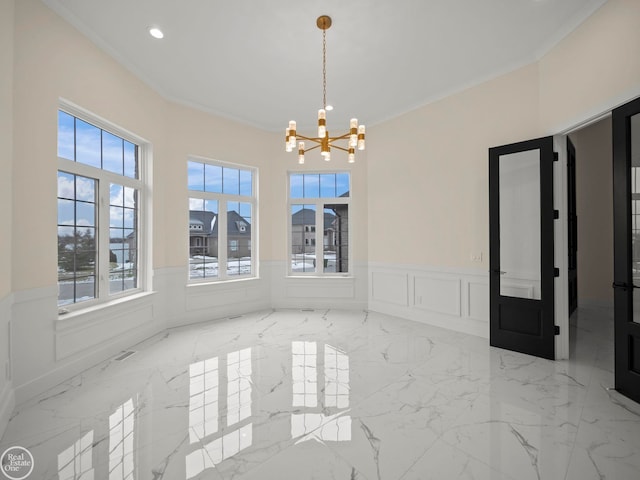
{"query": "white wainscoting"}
[(349, 293), (181, 303), (48, 349), (7, 398), (456, 299)]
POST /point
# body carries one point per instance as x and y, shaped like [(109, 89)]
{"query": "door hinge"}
[(555, 156), (556, 214), (556, 330), (556, 272)]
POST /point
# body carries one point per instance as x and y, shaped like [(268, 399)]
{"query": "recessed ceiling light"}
[(329, 108), (155, 32)]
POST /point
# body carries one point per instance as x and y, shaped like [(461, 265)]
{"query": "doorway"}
[(594, 213)]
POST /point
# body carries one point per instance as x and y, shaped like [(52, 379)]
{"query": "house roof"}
[(306, 216), (237, 225)]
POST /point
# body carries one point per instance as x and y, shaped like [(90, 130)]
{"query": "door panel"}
[(626, 244), (521, 247)]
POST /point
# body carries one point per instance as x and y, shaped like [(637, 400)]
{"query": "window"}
[(319, 216), (99, 212), (222, 207)]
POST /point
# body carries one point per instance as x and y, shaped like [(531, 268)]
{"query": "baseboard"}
[(587, 303)]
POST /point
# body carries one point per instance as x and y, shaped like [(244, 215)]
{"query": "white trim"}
[(222, 200), (319, 203), (7, 405), (595, 113), (561, 248), (144, 208), (7, 397)]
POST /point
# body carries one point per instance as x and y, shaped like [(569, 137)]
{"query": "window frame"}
[(104, 179), (319, 203), (223, 200)]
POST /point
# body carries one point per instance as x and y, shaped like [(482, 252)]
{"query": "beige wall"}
[(594, 198), (53, 60), (593, 69), (6, 142), (428, 169), (6, 214), (428, 172)]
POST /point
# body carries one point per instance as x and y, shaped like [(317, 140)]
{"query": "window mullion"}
[(222, 239), (103, 239), (319, 236)]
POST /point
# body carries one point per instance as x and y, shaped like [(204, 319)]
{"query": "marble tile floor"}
[(336, 395)]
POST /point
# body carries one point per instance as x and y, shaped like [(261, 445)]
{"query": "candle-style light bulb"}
[(322, 123), (361, 134)]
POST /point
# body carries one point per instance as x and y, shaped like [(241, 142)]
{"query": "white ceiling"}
[(260, 61)]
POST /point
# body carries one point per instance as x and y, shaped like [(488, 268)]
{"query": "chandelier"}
[(354, 137)]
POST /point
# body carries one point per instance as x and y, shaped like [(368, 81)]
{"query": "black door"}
[(572, 224), (521, 247), (626, 247)]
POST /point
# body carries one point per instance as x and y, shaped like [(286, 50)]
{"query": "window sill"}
[(213, 283), (322, 277), (112, 306)]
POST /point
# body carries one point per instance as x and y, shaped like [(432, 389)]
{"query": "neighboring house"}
[(303, 231), (203, 234)]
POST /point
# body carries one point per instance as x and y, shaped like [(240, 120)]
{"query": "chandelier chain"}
[(324, 68)]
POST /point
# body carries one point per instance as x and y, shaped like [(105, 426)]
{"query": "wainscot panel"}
[(432, 295)]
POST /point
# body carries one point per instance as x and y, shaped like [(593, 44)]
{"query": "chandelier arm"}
[(311, 139), (340, 148), (312, 148), (342, 137)]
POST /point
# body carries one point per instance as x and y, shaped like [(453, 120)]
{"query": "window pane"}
[(336, 238), (123, 213), (85, 189), (130, 160), (246, 185), (328, 185), (65, 135), (311, 185), (66, 185), (213, 178), (85, 214), (303, 236), (116, 217), (112, 153), (77, 255), (342, 185), (203, 238), (296, 186), (195, 172), (231, 181), (129, 215), (238, 238), (66, 213), (87, 144), (85, 288), (130, 197), (116, 194)]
